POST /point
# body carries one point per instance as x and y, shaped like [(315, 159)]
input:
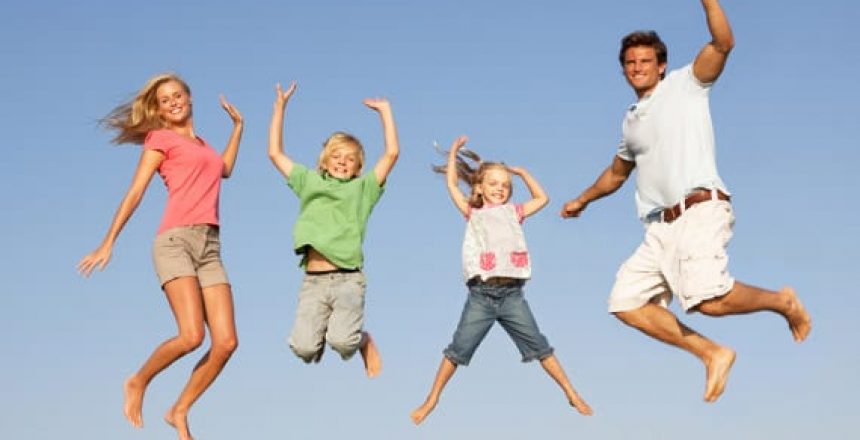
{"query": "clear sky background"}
[(536, 84)]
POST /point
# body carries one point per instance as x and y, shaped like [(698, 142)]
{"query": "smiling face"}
[(174, 103), (494, 185), (343, 162), (342, 156), (642, 69)]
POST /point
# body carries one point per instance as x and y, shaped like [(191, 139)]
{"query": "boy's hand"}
[(378, 104), (281, 96)]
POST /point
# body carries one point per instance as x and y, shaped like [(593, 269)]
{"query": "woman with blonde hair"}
[(186, 252)]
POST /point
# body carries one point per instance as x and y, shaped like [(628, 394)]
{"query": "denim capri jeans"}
[(493, 301)]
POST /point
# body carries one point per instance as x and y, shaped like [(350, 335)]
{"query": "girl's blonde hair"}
[(134, 119), (472, 170), (340, 139)]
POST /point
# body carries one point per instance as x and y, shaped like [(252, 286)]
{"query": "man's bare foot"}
[(423, 411), (798, 319), (718, 367), (132, 406), (179, 421), (370, 355), (580, 405)]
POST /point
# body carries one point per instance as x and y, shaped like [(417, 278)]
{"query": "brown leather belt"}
[(672, 213)]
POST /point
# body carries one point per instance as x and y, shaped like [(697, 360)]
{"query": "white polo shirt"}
[(670, 136)]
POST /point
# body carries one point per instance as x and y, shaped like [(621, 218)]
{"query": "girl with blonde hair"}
[(187, 250), (496, 266)]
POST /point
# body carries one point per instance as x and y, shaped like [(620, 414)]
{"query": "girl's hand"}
[(518, 171), (458, 143), (232, 111), (281, 96), (378, 104), (99, 258)]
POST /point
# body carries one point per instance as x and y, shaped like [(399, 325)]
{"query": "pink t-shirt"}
[(191, 172)]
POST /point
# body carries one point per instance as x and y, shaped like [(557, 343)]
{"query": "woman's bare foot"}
[(718, 367), (580, 405), (420, 413), (370, 355), (179, 421), (798, 319), (133, 404)]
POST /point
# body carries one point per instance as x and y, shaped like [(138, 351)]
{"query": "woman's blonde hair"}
[(472, 170), (134, 119), (340, 139)]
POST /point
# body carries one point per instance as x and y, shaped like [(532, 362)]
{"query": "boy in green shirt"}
[(335, 203)]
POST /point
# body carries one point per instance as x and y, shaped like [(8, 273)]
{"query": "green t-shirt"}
[(332, 214)]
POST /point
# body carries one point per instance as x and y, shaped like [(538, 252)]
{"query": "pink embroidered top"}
[(191, 171), (494, 245)]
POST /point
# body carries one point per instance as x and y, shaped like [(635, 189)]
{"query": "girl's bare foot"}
[(370, 355), (580, 405), (423, 411), (179, 421), (718, 367), (132, 406), (798, 319)]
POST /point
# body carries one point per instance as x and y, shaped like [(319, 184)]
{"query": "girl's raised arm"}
[(451, 176), (232, 150), (392, 145), (99, 258), (539, 198), (276, 130)]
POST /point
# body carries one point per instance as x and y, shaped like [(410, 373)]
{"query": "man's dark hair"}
[(644, 38)]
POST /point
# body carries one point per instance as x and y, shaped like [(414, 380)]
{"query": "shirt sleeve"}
[(159, 140), (371, 190), (298, 178), (521, 212), (624, 152), (690, 81)]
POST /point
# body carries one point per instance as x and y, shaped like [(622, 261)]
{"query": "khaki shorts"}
[(189, 251), (687, 257)]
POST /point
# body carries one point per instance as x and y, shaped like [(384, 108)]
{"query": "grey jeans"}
[(330, 309)]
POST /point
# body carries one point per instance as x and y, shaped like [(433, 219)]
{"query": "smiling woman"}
[(187, 249)]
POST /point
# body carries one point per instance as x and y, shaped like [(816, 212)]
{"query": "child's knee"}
[(306, 352), (345, 346)]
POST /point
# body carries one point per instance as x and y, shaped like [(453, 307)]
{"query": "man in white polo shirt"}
[(668, 136)]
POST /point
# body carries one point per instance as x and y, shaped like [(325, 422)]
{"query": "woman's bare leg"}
[(218, 304), (183, 295)]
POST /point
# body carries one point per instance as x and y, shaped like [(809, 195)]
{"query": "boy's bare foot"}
[(420, 413), (718, 367), (370, 355), (132, 407), (179, 421), (798, 319), (580, 405)]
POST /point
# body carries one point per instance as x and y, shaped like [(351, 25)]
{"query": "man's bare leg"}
[(551, 365), (446, 370), (370, 355), (744, 298), (661, 324)]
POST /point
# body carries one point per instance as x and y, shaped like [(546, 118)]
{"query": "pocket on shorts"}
[(703, 275)]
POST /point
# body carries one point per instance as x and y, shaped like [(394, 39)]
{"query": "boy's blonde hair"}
[(340, 139), (473, 173), (134, 119)]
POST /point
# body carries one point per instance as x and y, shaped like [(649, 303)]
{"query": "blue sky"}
[(536, 84)]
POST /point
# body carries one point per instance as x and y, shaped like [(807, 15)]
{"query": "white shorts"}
[(687, 257)]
